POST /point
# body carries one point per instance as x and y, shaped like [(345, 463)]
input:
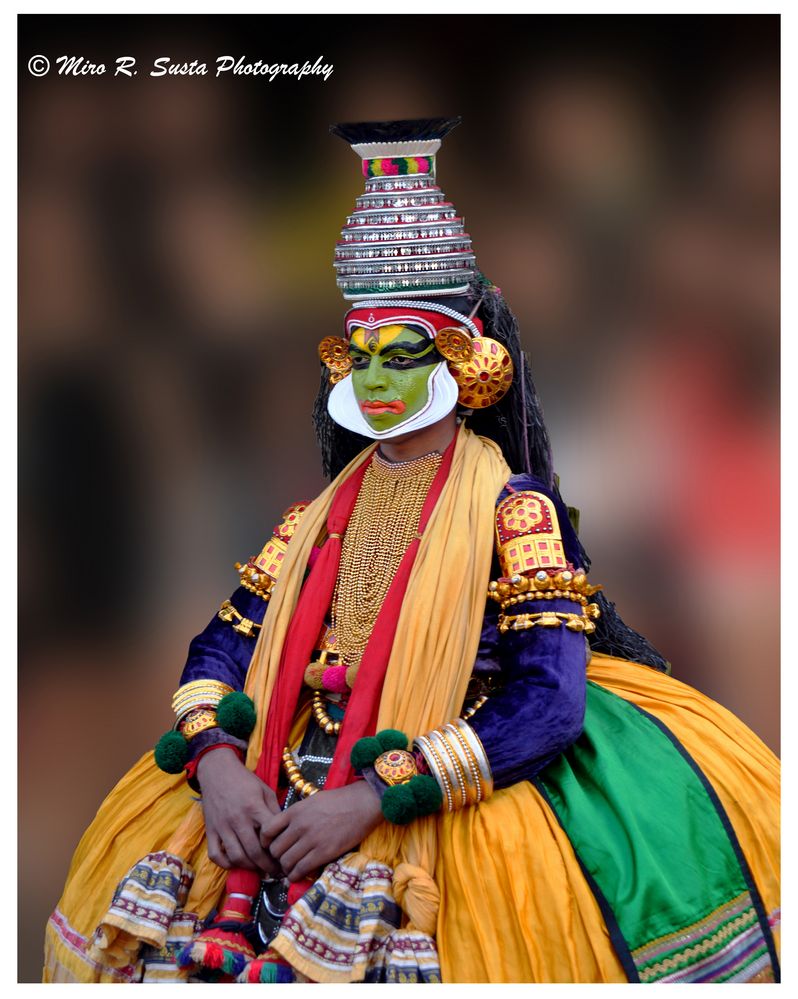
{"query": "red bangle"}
[(191, 767)]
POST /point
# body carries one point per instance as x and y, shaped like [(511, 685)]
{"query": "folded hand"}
[(321, 828), (237, 806)]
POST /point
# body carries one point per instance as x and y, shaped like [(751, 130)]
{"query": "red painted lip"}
[(374, 407)]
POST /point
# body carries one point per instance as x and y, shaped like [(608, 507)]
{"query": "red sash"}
[(313, 605)]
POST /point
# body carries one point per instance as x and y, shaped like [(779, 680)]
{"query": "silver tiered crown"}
[(403, 238)]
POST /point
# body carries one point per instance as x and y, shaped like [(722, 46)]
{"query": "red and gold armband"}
[(565, 584), (456, 759), (534, 567), (260, 573), (528, 534)]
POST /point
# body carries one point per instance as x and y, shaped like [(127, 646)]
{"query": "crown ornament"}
[(403, 239)]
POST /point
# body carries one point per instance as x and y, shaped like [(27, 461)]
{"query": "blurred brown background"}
[(620, 179)]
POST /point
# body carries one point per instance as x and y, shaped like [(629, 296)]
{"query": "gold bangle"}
[(456, 740), (478, 751), (196, 694), (454, 771), (473, 790), (436, 767)]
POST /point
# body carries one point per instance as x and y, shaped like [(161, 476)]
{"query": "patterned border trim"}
[(727, 945), (346, 926), (78, 944), (746, 968)]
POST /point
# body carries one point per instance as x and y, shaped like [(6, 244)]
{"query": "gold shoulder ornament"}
[(261, 572), (534, 567), (528, 534)]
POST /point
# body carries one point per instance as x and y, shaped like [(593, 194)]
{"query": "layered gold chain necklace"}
[(382, 526)]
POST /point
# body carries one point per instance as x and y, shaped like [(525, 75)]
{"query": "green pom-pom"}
[(171, 752), (399, 805), (391, 738), (235, 714), (427, 793), (365, 751)]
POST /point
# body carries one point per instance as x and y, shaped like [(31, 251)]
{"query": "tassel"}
[(216, 949), (266, 970), (223, 946)]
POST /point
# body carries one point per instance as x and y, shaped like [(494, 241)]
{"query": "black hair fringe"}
[(614, 637), (338, 446), (407, 130), (504, 424)]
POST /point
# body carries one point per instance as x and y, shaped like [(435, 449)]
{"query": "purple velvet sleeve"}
[(488, 656), (219, 652), (540, 708)]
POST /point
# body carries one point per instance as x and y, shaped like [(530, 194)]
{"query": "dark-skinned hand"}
[(321, 828), (237, 806)]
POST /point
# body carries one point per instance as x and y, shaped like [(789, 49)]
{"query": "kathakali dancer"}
[(416, 744)]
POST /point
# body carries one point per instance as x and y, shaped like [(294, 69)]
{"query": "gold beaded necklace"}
[(304, 788), (323, 720), (383, 523)]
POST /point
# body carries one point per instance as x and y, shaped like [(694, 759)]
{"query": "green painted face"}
[(390, 371)]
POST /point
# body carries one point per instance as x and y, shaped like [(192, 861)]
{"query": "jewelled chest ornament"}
[(402, 256)]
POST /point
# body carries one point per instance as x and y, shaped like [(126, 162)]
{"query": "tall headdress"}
[(402, 257), (404, 239)]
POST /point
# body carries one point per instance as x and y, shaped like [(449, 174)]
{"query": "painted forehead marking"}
[(373, 340), (406, 319)]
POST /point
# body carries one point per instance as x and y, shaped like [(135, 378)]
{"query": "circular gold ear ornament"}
[(485, 378), (334, 354), (454, 343)]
